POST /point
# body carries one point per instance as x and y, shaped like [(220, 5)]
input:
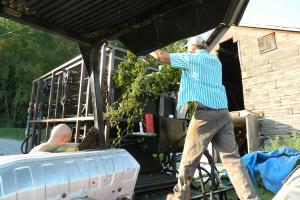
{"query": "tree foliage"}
[(26, 54), (139, 87)]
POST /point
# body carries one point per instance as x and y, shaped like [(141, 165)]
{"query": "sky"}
[(284, 13)]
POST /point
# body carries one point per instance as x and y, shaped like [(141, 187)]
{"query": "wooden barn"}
[(261, 73)]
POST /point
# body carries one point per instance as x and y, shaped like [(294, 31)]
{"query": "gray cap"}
[(198, 40)]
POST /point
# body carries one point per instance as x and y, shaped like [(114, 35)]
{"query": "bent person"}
[(201, 83)]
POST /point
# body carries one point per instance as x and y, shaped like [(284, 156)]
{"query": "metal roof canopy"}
[(142, 25)]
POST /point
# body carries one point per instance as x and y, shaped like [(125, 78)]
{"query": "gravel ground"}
[(10, 146)]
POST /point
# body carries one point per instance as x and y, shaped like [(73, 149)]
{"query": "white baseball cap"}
[(198, 40)]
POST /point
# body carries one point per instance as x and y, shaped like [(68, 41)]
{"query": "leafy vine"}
[(138, 87)]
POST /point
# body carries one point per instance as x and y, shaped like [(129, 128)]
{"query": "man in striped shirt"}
[(201, 82)]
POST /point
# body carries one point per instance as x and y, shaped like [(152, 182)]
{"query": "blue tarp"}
[(272, 167)]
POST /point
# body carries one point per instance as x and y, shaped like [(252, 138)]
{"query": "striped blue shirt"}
[(201, 79)]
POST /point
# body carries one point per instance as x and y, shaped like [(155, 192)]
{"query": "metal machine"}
[(107, 174)]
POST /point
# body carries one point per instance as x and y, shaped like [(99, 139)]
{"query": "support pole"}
[(49, 106), (29, 128), (90, 55), (109, 91), (58, 93), (87, 106), (79, 106), (35, 115)]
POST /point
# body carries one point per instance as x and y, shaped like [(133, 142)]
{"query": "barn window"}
[(267, 43)]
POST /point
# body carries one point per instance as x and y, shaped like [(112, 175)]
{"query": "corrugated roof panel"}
[(109, 10), (155, 22), (86, 9), (69, 11), (117, 16), (54, 7)]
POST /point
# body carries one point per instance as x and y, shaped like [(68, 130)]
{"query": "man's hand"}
[(161, 56), (154, 54)]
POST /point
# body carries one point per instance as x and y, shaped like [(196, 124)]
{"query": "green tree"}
[(26, 54)]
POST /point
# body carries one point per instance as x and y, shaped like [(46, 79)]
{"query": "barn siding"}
[(271, 81)]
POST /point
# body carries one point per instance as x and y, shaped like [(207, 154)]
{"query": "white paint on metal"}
[(106, 175)]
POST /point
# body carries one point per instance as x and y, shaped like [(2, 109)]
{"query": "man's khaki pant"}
[(214, 126)]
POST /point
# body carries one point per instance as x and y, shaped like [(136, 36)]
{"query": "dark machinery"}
[(63, 96)]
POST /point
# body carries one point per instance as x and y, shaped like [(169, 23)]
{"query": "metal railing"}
[(63, 95)]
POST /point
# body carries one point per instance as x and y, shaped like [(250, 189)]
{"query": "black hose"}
[(26, 151)]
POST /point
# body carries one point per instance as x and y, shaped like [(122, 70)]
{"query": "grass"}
[(291, 140), (262, 193), (16, 133), (12, 133)]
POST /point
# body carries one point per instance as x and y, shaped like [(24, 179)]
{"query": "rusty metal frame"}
[(49, 105), (87, 105), (98, 64), (79, 105)]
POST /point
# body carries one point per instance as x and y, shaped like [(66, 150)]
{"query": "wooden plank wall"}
[(271, 81)]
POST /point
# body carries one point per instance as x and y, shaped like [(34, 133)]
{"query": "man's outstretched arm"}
[(161, 56)]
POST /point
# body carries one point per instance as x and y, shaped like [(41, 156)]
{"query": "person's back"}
[(55, 148), (210, 67), (201, 79), (58, 141), (50, 148)]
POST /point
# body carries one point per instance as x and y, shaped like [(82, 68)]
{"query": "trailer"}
[(63, 96)]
